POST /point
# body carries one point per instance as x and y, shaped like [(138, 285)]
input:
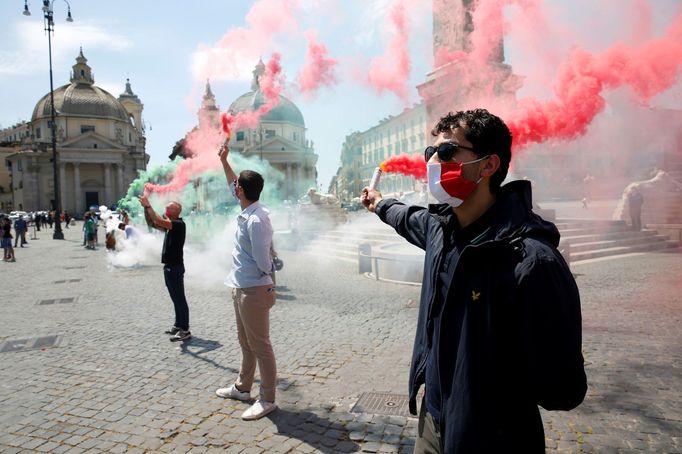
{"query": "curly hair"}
[(486, 132)]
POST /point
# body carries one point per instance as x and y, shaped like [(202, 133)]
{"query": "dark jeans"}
[(175, 283), (20, 236)]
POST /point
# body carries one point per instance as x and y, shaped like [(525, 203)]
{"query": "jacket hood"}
[(512, 215)]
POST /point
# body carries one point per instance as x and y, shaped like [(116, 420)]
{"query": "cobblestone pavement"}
[(114, 383)]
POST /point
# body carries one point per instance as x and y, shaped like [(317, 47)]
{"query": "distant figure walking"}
[(635, 202)]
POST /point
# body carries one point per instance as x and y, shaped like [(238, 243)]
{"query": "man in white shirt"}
[(253, 292)]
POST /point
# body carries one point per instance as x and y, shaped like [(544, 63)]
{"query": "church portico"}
[(100, 147)]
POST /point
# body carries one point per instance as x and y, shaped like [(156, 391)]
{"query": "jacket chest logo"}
[(475, 295)]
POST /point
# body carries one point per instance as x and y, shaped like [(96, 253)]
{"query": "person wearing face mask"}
[(499, 328), (253, 292), (173, 263)]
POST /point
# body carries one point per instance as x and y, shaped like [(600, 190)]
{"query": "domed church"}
[(279, 139), (100, 144)]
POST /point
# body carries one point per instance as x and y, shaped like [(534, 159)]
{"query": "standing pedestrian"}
[(173, 263), (90, 231), (253, 292), (499, 328), (20, 227), (7, 241)]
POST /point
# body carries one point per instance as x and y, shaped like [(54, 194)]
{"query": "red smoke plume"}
[(648, 70), (318, 69), (391, 71), (203, 143), (270, 84), (232, 57), (412, 165)]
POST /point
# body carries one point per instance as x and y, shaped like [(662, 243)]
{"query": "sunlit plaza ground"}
[(114, 383)]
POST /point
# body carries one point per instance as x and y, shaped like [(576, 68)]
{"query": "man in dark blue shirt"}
[(499, 329), (20, 227)]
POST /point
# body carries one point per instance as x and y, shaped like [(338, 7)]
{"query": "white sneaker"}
[(258, 410), (232, 392)]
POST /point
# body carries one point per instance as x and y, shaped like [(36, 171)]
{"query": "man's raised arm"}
[(229, 173)]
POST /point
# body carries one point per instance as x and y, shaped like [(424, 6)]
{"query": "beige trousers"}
[(252, 309)]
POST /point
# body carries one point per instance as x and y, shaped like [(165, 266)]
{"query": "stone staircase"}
[(590, 239), (580, 239)]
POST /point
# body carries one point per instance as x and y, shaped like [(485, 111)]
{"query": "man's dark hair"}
[(487, 133), (252, 183)]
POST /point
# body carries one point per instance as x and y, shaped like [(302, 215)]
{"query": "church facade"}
[(100, 147), (279, 139)]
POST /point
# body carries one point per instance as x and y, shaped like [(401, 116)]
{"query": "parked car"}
[(14, 215)]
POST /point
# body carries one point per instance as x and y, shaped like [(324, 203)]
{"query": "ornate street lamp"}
[(48, 13)]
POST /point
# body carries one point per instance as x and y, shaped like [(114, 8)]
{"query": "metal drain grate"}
[(64, 281), (382, 404), (57, 301), (75, 267), (31, 343)]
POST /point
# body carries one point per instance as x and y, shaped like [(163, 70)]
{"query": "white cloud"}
[(29, 45)]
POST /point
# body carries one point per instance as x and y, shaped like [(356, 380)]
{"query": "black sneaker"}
[(172, 330), (181, 336)]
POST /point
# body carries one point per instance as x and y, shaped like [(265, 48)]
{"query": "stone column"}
[(62, 185), (119, 181), (107, 184), (78, 208), (289, 185)]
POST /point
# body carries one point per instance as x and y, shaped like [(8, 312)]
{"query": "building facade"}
[(10, 143), (100, 146)]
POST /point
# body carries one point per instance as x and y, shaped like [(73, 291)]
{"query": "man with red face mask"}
[(499, 329), (173, 263)]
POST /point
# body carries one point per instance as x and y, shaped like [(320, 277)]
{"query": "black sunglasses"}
[(445, 150)]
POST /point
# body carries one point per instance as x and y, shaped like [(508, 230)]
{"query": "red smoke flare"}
[(412, 165), (203, 143)]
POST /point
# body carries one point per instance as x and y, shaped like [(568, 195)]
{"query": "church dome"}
[(81, 98), (285, 111)]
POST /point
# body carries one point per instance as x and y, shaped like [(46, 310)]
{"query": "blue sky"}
[(153, 43)]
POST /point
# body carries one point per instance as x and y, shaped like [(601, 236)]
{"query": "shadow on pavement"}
[(623, 396), (320, 433), (197, 346)]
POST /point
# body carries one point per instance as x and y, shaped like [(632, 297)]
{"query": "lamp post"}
[(48, 14)]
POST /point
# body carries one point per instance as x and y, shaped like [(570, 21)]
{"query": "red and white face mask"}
[(447, 184)]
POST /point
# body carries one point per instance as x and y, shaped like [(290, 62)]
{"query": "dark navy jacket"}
[(510, 329)]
